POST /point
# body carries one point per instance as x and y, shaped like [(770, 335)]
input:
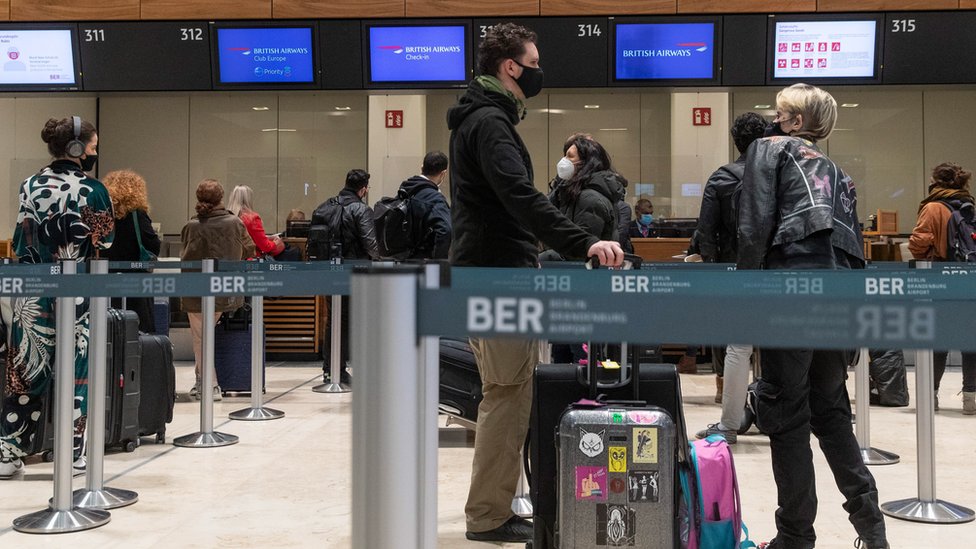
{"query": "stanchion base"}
[(205, 440), (938, 511), (873, 456), (50, 521), (106, 498), (331, 388), (522, 506), (256, 414)]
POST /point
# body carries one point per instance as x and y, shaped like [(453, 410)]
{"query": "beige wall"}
[(395, 154), (696, 150)]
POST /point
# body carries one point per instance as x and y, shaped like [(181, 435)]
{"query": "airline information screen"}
[(824, 49), (665, 51), (36, 57)]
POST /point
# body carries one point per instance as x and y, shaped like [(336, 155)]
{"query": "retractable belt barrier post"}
[(61, 516), (395, 450), (335, 384), (862, 396), (926, 507), (207, 437), (257, 411), (95, 495)]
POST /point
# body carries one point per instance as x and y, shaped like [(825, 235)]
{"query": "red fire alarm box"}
[(394, 119), (701, 116)]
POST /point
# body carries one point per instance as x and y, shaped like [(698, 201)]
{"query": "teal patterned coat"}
[(63, 214)]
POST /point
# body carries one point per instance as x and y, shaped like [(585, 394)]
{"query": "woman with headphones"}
[(64, 214)]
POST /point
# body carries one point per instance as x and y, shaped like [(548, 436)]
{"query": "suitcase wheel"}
[(48, 456), (130, 446), (161, 437)]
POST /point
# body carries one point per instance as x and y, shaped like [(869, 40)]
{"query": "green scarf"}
[(491, 83), (939, 194)]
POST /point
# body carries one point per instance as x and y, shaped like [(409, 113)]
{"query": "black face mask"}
[(775, 129), (88, 162), (530, 81)]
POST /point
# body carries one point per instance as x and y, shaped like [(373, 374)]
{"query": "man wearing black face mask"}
[(498, 215)]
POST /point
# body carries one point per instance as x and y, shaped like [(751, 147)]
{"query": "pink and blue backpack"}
[(711, 509)]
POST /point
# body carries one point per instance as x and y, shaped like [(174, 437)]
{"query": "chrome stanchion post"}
[(862, 395), (335, 352), (207, 437), (257, 411), (95, 495), (61, 516), (394, 478), (926, 507)]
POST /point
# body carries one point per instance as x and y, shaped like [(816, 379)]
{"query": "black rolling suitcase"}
[(460, 382), (124, 365), (557, 387), (232, 354), (157, 384)]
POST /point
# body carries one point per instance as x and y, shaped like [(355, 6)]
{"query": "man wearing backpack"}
[(430, 215), (342, 226), (716, 238), (944, 229)]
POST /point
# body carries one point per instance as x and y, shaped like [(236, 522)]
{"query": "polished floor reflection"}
[(287, 483)]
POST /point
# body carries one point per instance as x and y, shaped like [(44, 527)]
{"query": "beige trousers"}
[(506, 367), (196, 329)]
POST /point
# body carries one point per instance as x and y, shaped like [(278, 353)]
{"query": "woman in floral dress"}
[(64, 214)]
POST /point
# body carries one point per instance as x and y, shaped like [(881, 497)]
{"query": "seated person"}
[(643, 226)]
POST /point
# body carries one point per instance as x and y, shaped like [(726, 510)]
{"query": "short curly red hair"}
[(128, 192)]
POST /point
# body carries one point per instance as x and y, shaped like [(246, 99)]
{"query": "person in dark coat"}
[(643, 225), (130, 202), (431, 216)]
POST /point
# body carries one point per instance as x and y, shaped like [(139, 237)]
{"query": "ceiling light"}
[(260, 108), (591, 106), (278, 130), (850, 105), (762, 106), (270, 129), (613, 129), (343, 108)]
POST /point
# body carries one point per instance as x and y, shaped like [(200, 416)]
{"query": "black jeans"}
[(968, 369), (804, 391)]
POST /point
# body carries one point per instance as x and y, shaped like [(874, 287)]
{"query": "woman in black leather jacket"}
[(798, 210)]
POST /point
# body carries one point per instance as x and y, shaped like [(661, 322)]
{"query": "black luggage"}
[(123, 364), (232, 355), (161, 317), (157, 386), (460, 383), (557, 386)]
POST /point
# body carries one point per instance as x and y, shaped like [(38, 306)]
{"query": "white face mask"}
[(565, 168)]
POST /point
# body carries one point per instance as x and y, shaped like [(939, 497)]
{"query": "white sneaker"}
[(10, 468), (79, 467), (218, 394), (194, 392)]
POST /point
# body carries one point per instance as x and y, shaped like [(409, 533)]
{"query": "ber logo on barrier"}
[(505, 315), (227, 284), (896, 323), (11, 286)]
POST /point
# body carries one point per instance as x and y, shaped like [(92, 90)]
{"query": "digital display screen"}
[(265, 55), (418, 54), (37, 57), (665, 51), (824, 49)]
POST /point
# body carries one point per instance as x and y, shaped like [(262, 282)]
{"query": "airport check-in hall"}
[(532, 273)]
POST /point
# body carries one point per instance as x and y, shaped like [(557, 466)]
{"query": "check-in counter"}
[(660, 249)]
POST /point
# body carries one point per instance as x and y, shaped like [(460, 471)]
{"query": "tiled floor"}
[(286, 484)]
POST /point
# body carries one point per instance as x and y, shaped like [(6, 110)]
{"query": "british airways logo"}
[(682, 49), (422, 49)]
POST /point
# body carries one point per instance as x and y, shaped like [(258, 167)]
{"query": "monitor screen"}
[(825, 49), (265, 55), (417, 54), (37, 57), (665, 51)]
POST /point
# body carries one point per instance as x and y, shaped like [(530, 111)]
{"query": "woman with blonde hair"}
[(213, 233), (241, 204), (134, 235)]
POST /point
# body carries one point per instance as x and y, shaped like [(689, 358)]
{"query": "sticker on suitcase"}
[(591, 483), (643, 486), (643, 417), (616, 525), (591, 444), (618, 459), (645, 445), (617, 485)]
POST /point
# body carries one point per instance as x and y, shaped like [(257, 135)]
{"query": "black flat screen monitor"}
[(824, 49), (410, 54), (265, 56), (676, 227), (39, 58), (665, 51)]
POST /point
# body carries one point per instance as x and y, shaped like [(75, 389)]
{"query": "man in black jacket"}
[(498, 216), (431, 216)]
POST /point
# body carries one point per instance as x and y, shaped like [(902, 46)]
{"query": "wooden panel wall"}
[(745, 6), (607, 7), (4, 10), (882, 5), (65, 10), (967, 4), (331, 9), (467, 8), (205, 9)]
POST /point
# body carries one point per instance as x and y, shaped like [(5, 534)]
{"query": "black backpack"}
[(961, 245), (325, 235), (396, 236)]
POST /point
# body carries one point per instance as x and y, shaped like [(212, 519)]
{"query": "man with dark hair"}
[(716, 238), (430, 214), (498, 216)]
